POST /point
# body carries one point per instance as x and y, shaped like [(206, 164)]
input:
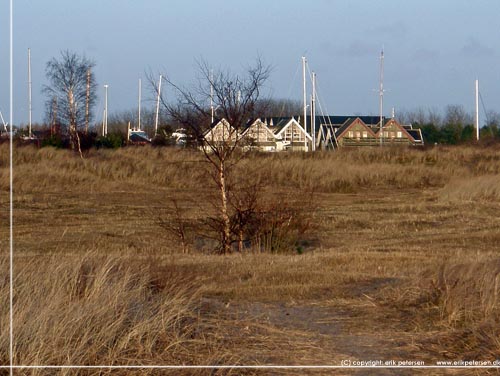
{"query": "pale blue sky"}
[(434, 49)]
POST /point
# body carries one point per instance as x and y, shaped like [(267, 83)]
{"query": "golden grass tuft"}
[(466, 293), (96, 309), (459, 303)]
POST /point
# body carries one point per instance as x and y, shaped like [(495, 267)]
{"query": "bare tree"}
[(492, 118), (456, 115), (434, 117), (416, 116), (234, 100), (73, 87)]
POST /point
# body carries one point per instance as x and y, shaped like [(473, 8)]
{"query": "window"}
[(393, 135), (386, 134), (350, 134), (400, 134), (358, 135), (365, 134)]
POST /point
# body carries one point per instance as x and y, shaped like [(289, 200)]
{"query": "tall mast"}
[(381, 93), (313, 112), (29, 93), (11, 190), (105, 123), (304, 100), (157, 106), (477, 110), (139, 113)]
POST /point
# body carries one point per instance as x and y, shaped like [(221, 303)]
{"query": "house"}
[(259, 136), (331, 132), (328, 128), (393, 133), (273, 134), (292, 135), (345, 131), (287, 132), (355, 132), (221, 132)]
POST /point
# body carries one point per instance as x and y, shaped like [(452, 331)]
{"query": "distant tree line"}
[(454, 127)]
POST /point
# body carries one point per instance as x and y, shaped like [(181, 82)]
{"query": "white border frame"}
[(13, 367)]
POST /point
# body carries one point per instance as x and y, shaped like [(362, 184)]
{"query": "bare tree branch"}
[(234, 101)]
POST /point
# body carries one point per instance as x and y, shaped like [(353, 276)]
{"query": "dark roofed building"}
[(138, 137)]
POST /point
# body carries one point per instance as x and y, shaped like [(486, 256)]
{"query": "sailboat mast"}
[(139, 112), (304, 100), (103, 122), (157, 106), (29, 93), (313, 112), (381, 94), (477, 110), (105, 126)]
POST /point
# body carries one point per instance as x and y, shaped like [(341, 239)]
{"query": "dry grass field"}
[(400, 260)]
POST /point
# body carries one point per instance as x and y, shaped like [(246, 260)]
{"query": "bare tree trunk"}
[(54, 117), (87, 103), (72, 125), (73, 130), (226, 231), (241, 223), (240, 240)]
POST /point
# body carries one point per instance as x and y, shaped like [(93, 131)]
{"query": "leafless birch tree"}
[(230, 99), (72, 86)]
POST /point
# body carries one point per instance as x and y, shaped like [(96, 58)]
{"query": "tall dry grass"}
[(46, 168), (97, 309), (101, 310), (458, 302), (342, 171)]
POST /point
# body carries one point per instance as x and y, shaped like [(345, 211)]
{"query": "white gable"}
[(221, 132), (293, 130), (259, 132)]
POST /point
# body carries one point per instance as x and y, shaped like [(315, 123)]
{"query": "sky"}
[(434, 49)]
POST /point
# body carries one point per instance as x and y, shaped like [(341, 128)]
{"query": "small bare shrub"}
[(281, 225), (175, 223)]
